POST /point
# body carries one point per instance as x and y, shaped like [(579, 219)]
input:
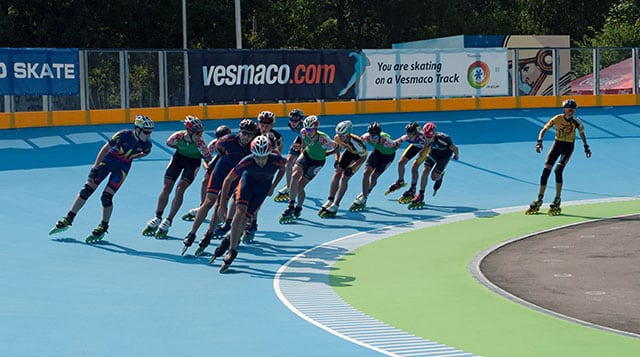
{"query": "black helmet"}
[(374, 128), (412, 127), (222, 130), (569, 103), (296, 113), (249, 125)]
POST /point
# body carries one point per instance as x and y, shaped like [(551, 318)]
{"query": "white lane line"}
[(306, 297)]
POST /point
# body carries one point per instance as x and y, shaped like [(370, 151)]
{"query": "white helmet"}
[(193, 124), (261, 146), (311, 122), (344, 127), (143, 122)]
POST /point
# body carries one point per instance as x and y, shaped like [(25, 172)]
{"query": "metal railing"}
[(112, 79)]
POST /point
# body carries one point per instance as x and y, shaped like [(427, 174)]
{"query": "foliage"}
[(304, 23)]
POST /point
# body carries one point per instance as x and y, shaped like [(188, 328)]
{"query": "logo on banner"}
[(360, 65), (478, 74)]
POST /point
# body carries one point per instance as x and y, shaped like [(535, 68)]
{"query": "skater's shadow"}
[(279, 236), (264, 249), (120, 249)]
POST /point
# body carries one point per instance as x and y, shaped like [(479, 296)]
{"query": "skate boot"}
[(395, 186), (220, 249), (437, 184), (407, 196), (163, 229), (331, 211), (554, 207), (204, 243), (62, 225), (359, 204), (228, 259), (250, 232), (188, 241), (534, 207), (287, 216), (97, 233), (282, 195), (324, 207), (297, 211), (189, 216), (417, 202), (222, 230), (152, 226)]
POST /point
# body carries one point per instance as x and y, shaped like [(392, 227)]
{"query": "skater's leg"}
[(163, 198), (558, 174), (237, 225), (203, 211), (178, 198), (401, 168), (82, 197), (301, 193), (107, 203), (366, 179), (342, 189), (335, 181)]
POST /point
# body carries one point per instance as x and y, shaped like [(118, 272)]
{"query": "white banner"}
[(417, 73)]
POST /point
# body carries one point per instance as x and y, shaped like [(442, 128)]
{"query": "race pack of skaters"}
[(242, 169)]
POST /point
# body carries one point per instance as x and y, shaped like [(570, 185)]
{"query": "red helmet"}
[(429, 130)]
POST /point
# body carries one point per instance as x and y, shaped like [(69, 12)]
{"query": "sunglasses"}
[(309, 130), (295, 118), (147, 132), (245, 133), (266, 122), (374, 136)]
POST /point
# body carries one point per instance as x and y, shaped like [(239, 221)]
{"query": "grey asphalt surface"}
[(589, 271)]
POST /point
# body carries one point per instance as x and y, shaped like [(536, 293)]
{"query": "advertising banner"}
[(39, 71), (418, 73), (270, 75)]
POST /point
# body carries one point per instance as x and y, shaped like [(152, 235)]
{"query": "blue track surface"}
[(132, 295)]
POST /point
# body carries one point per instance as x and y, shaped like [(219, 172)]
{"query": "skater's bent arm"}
[(101, 154), (456, 152)]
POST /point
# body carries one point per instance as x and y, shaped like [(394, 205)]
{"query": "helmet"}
[(249, 125), (296, 113), (193, 124), (311, 122), (344, 127), (267, 117), (412, 127), (429, 130), (569, 103), (222, 130), (143, 122), (374, 128), (261, 146)]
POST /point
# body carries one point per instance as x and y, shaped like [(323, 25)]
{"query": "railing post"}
[(124, 80)]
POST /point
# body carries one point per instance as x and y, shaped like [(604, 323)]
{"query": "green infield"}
[(419, 282)]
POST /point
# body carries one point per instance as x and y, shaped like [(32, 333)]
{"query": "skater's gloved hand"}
[(539, 146), (93, 173), (335, 164), (348, 171), (587, 151)]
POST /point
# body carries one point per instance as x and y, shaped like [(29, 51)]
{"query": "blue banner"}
[(39, 71), (270, 75)]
